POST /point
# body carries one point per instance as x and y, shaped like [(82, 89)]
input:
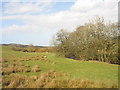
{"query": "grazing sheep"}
[(45, 56)]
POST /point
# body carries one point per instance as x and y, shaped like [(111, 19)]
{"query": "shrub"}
[(24, 49), (47, 49)]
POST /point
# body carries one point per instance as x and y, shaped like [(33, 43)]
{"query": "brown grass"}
[(35, 68), (4, 60), (7, 71), (14, 68), (50, 79)]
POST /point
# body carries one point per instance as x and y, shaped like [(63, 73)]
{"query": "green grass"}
[(91, 70)]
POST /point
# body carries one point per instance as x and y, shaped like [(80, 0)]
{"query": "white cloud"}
[(78, 14), (16, 8), (86, 5), (25, 7), (90, 8), (36, 0)]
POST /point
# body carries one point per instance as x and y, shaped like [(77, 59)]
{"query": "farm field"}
[(40, 63), (60, 44)]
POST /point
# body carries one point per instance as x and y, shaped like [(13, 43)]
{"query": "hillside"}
[(85, 70)]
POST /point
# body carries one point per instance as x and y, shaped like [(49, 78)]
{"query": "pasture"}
[(34, 64)]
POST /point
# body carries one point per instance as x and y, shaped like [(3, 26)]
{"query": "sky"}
[(37, 21)]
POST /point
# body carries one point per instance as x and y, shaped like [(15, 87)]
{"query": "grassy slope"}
[(94, 71)]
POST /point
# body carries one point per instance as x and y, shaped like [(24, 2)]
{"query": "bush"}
[(49, 49), (23, 49), (33, 49)]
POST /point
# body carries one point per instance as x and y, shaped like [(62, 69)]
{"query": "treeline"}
[(31, 48), (95, 40)]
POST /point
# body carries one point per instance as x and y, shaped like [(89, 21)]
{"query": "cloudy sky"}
[(37, 21)]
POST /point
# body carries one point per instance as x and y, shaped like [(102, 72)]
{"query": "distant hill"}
[(22, 45)]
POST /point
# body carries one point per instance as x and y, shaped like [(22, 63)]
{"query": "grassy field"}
[(89, 70)]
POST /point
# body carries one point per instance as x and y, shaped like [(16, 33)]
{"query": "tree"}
[(96, 40)]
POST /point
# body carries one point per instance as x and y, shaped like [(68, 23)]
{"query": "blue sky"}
[(26, 22), (57, 7)]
